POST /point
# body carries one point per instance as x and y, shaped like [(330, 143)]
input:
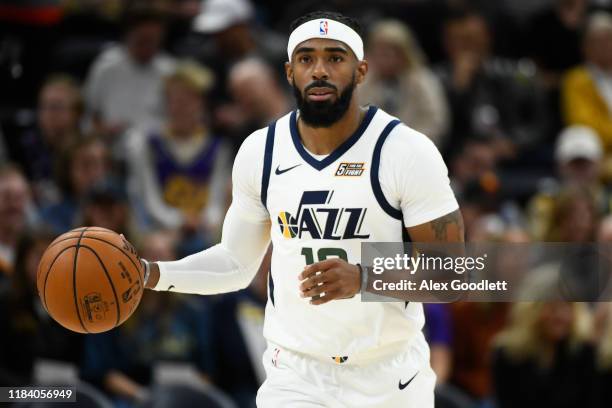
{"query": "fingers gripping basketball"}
[(90, 280)]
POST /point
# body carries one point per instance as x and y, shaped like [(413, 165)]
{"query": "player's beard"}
[(324, 113)]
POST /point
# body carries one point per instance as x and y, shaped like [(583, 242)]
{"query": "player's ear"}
[(362, 71), (289, 72)]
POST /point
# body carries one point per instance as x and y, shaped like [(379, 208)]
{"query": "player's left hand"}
[(335, 277)]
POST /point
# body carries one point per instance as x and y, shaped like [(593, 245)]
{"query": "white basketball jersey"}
[(321, 208)]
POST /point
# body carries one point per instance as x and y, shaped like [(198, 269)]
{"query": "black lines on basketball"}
[(74, 288), (77, 235), (110, 282), (93, 229), (106, 277), (127, 255), (44, 292), (54, 243), (81, 229)]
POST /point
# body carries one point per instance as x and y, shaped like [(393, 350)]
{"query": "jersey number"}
[(323, 254)]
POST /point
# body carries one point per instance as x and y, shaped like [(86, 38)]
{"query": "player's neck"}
[(324, 140)]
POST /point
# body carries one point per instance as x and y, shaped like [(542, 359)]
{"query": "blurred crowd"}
[(126, 114)]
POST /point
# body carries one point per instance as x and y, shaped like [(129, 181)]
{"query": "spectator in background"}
[(579, 156), (475, 182), (481, 203), (228, 21), (106, 205), (401, 83), (60, 108), (489, 97), (14, 201), (474, 327), (553, 38), (258, 100), (587, 90), (472, 160), (82, 164), (543, 358), (28, 332), (164, 328), (231, 35), (575, 217), (123, 88), (179, 172)]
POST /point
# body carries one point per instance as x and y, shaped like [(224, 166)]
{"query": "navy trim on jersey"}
[(375, 181), (343, 148), (271, 286), (265, 177)]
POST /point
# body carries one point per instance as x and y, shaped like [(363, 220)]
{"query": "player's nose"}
[(320, 71)]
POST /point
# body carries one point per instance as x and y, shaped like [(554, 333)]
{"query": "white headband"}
[(325, 28)]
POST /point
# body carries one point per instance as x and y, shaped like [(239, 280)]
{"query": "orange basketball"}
[(90, 280)]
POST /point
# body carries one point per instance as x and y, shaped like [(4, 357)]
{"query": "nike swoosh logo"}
[(278, 171), (402, 386)]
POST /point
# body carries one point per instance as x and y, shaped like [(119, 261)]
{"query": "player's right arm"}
[(231, 264)]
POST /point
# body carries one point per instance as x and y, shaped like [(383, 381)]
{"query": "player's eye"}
[(305, 59), (336, 58)]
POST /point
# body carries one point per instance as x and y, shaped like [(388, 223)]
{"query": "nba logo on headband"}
[(339, 32), (323, 27)]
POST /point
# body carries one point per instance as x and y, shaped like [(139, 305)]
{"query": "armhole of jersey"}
[(267, 167), (374, 174), (406, 239), (271, 286)]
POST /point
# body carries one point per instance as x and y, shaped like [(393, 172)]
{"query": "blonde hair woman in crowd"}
[(401, 83), (544, 358)]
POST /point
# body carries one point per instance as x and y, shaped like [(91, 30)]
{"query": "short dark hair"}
[(331, 15)]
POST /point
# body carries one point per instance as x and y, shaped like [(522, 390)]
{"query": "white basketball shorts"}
[(400, 380)]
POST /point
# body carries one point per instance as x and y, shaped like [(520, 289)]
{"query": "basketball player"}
[(318, 182)]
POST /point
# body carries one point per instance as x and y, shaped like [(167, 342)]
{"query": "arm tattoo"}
[(440, 226)]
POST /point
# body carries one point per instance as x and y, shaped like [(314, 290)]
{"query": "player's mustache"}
[(320, 84)]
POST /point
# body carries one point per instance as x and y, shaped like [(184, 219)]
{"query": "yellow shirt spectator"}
[(584, 105)]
